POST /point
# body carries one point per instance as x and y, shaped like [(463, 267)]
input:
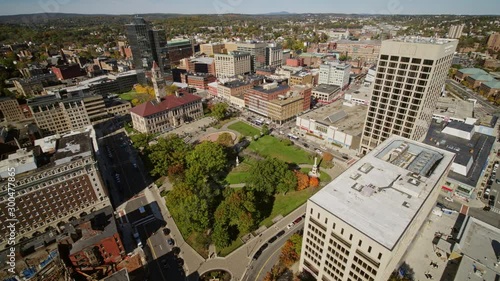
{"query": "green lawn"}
[(285, 204), (244, 129), (129, 96), (323, 177), (271, 146), (239, 174), (235, 245)]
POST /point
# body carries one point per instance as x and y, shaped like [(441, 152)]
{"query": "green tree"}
[(265, 130), (288, 182), (271, 175), (141, 141), (190, 212), (207, 158), (220, 235), (169, 151), (219, 110), (225, 139)]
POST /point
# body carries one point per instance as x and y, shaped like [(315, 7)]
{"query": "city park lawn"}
[(240, 174), (272, 147), (324, 178), (244, 129)]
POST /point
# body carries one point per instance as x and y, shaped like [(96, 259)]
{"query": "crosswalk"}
[(496, 210)]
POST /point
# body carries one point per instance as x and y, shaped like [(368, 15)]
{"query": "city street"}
[(469, 94)]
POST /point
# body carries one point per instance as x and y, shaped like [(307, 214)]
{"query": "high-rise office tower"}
[(360, 225), (232, 64), (411, 73), (148, 45), (274, 56), (258, 52), (455, 31)]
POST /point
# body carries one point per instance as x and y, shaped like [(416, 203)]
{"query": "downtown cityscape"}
[(249, 140)]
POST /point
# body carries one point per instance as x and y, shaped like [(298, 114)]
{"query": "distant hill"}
[(278, 13)]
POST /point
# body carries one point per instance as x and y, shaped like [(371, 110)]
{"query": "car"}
[(257, 255), (263, 247), (486, 208), (279, 234), (448, 199), (170, 241), (297, 220), (305, 145), (272, 239), (290, 225)]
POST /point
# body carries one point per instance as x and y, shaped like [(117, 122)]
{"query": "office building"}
[(302, 78), (325, 93), (360, 225), (69, 71), (257, 51), (410, 77), (199, 65), (54, 193), (232, 88), (334, 73), (198, 80), (33, 86), (171, 111), (363, 50), (455, 31), (232, 64), (274, 56), (10, 110), (148, 45), (179, 49)]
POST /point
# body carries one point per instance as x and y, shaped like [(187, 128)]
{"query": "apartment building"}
[(232, 64), (171, 111), (363, 50), (360, 225), (274, 56), (494, 41), (67, 187), (335, 73), (455, 31), (410, 77), (10, 109)]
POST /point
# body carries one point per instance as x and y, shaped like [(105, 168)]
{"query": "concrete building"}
[(10, 110), (161, 116), (494, 41), (33, 86), (232, 64), (472, 147), (360, 225), (257, 51), (335, 123), (411, 73), (92, 241), (198, 80), (326, 93), (233, 88), (455, 31), (301, 78), (51, 195), (335, 73), (451, 109), (478, 248), (363, 50), (211, 49), (274, 56)]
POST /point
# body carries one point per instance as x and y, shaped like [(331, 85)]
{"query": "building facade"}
[(232, 64), (274, 56), (10, 110), (211, 49), (335, 73), (365, 50), (232, 88), (66, 188), (411, 73), (360, 225), (161, 116), (455, 31), (257, 51), (325, 93), (494, 41)]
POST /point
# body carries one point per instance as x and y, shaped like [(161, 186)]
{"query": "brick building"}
[(232, 88), (198, 80), (69, 71)]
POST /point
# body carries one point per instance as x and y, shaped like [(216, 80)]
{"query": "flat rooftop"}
[(69, 148), (454, 108), (325, 88), (347, 119), (480, 246), (381, 194), (478, 147)]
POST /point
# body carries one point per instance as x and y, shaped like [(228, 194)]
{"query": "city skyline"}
[(487, 7)]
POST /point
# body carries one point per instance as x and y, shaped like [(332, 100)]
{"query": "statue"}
[(314, 172), (237, 161)]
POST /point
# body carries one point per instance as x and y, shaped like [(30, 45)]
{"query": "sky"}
[(478, 7)]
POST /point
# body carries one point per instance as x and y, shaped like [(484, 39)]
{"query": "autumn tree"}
[(225, 139), (288, 255), (302, 180), (327, 156), (313, 182)]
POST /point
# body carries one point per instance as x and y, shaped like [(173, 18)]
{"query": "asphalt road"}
[(490, 217), (469, 94), (258, 268)]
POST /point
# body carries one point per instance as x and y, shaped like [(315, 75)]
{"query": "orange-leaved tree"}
[(313, 182), (302, 180)]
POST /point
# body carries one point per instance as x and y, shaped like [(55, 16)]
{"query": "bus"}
[(293, 137)]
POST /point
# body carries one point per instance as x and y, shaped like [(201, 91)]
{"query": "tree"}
[(219, 110), (191, 212), (207, 158), (302, 180), (288, 182), (171, 89), (296, 239), (225, 139), (288, 255), (168, 152), (327, 156), (220, 235), (313, 182), (265, 130), (141, 141), (267, 175)]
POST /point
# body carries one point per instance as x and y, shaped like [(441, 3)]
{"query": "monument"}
[(314, 172)]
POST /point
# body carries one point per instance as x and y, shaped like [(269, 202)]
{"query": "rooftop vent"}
[(355, 176), (406, 204), (367, 167)]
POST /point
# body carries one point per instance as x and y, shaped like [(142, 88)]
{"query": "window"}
[(379, 255), (360, 242), (342, 231), (350, 237), (369, 249)]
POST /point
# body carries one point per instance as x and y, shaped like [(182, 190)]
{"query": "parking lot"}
[(490, 192)]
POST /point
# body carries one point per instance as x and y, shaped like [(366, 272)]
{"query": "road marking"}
[(260, 271), (152, 248)]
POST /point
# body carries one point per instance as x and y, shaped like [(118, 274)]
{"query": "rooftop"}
[(204, 60), (70, 148), (347, 119), (454, 108), (326, 88), (482, 77), (422, 40), (472, 71), (381, 194), (169, 102), (271, 88), (361, 42), (235, 84), (494, 84), (480, 246), (463, 140)]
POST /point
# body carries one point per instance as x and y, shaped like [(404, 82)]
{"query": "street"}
[(469, 94)]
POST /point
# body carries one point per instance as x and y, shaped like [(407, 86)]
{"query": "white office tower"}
[(334, 73), (360, 225), (411, 73)]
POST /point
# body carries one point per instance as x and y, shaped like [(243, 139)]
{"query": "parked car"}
[(170, 241), (297, 220), (272, 239), (449, 199), (279, 234), (166, 231), (257, 255)]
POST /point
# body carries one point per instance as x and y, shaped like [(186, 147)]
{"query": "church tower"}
[(158, 82)]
